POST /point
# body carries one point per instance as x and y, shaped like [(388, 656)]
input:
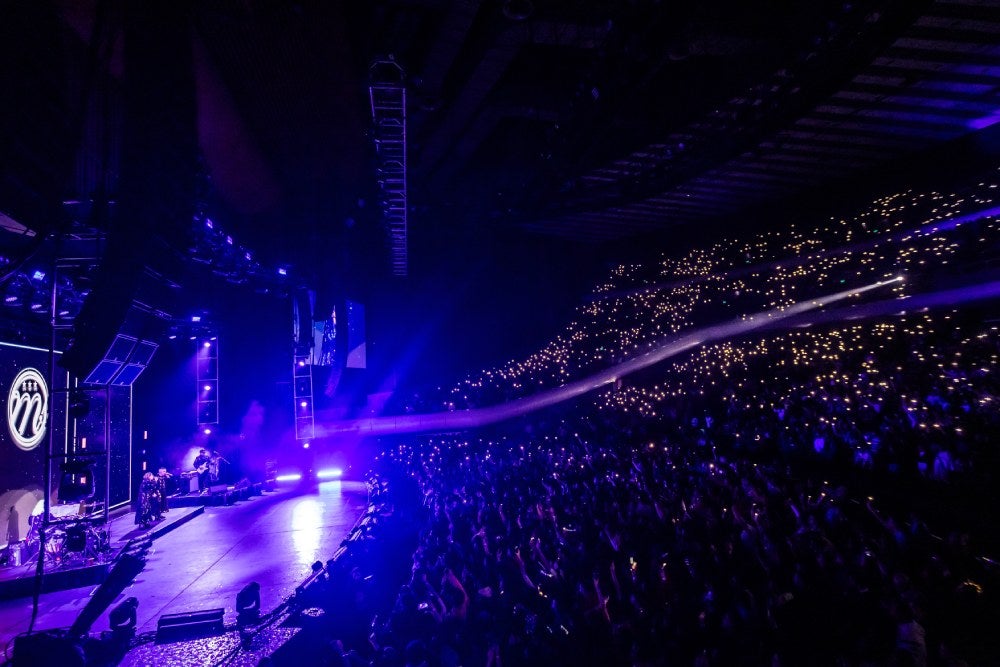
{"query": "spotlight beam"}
[(897, 306), (477, 417)]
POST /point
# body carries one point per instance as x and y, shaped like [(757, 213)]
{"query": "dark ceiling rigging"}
[(604, 120), (579, 120)]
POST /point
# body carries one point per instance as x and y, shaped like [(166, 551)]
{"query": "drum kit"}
[(72, 538)]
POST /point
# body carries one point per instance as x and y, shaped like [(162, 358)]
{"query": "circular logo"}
[(27, 409)]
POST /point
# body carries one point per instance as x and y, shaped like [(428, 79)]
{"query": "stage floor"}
[(272, 539)]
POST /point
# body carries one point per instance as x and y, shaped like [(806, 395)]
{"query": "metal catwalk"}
[(271, 539)]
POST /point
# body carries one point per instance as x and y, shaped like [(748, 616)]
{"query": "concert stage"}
[(64, 570), (272, 539)]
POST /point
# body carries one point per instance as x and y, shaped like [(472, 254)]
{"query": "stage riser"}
[(217, 498), (22, 583), (55, 581)]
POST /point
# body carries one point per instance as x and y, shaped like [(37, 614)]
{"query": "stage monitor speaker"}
[(218, 488), (190, 625)]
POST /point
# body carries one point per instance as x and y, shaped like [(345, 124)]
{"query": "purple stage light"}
[(292, 477), (208, 387), (196, 318), (282, 271), (207, 431), (305, 445), (330, 473), (207, 344), (984, 122)]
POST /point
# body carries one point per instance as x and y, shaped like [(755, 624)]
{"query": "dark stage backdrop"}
[(24, 434), (86, 434), (25, 393)]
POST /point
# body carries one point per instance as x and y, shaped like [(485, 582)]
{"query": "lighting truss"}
[(302, 389), (387, 92), (207, 376)]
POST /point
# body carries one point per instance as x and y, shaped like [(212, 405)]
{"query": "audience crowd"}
[(929, 239), (615, 545), (762, 500), (914, 394)]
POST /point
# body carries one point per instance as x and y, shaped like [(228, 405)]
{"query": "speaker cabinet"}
[(190, 625)]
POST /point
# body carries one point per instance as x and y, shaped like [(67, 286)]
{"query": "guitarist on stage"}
[(201, 465)]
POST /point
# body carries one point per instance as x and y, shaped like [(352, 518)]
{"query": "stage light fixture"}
[(19, 291), (330, 473), (248, 604), (291, 477), (123, 618)]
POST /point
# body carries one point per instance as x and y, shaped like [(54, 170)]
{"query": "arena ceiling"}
[(603, 120), (567, 121)]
